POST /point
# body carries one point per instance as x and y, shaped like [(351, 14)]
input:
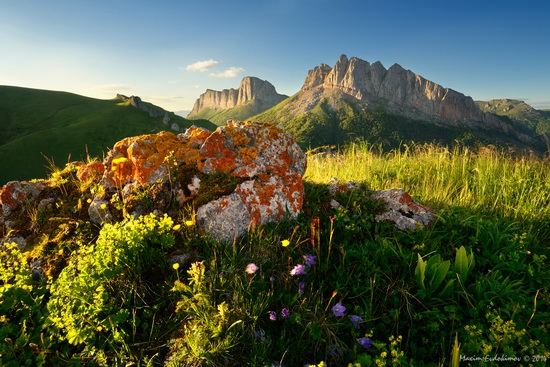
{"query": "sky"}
[(169, 52)]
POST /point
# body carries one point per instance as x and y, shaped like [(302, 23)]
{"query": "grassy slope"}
[(495, 206), (60, 125), (325, 125), (518, 112), (220, 116)]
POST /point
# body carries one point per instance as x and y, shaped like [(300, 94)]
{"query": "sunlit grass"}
[(485, 179)]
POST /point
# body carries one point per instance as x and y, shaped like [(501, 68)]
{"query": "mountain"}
[(252, 97), (62, 126), (358, 99), (519, 112)]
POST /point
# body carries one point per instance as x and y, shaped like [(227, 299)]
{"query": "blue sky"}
[(168, 52)]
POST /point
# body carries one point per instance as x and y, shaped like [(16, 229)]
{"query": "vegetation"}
[(220, 116), (63, 126), (332, 287), (339, 122)]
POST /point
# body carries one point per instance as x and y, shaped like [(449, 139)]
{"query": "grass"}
[(484, 180), (63, 126), (331, 287)]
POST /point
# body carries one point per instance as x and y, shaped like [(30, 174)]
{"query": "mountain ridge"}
[(253, 96), (37, 123), (396, 94)]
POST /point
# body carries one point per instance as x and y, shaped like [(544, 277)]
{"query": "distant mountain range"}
[(61, 126), (357, 99), (251, 98)]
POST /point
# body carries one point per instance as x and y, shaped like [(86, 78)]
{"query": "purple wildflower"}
[(285, 313), (272, 315), (338, 310), (310, 260), (301, 287), (365, 343), (272, 278), (298, 270), (355, 320), (251, 268)]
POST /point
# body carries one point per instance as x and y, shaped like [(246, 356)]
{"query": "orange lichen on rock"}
[(91, 171), (274, 165), (150, 157), (248, 154), (240, 138), (14, 193)]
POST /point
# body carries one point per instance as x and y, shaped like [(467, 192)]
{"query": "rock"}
[(15, 193), (99, 212), (143, 159), (273, 165), (403, 210), (20, 241), (260, 165), (91, 171), (250, 89)]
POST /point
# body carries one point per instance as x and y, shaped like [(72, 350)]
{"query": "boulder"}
[(266, 162), (406, 213), (15, 193), (272, 164)]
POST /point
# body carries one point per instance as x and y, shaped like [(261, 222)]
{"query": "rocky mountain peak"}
[(251, 88), (396, 87)]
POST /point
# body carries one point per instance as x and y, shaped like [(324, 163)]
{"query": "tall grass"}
[(485, 180), (332, 286)]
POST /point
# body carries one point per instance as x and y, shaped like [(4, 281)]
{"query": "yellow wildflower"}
[(176, 227), (119, 160), (89, 200), (285, 243), (176, 266), (103, 206), (189, 223)]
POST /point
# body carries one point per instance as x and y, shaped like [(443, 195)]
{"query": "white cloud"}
[(229, 73), (201, 65)]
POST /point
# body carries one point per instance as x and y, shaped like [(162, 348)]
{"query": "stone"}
[(92, 171), (99, 212), (250, 89), (15, 193), (20, 241), (406, 213), (273, 165), (143, 159), (258, 166)]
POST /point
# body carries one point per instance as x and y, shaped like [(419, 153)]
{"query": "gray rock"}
[(406, 213)]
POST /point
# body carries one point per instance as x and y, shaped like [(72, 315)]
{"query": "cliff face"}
[(397, 90), (396, 86), (251, 88)]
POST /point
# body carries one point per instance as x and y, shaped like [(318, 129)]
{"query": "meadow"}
[(332, 287)]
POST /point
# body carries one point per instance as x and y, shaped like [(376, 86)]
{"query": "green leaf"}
[(461, 263), (439, 275), (447, 289), (420, 272)]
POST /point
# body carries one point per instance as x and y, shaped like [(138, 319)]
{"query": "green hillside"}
[(242, 112), (518, 112), (61, 126), (336, 121)]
